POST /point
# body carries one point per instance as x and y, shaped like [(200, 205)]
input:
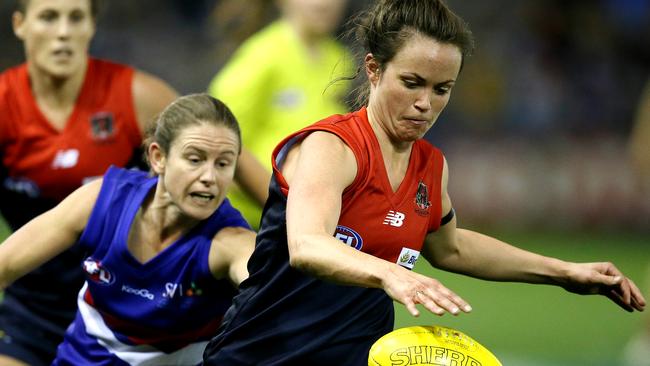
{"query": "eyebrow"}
[(421, 79), (415, 75), (195, 150), (191, 148)]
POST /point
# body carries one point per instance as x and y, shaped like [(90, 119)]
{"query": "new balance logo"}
[(394, 218), (65, 159)]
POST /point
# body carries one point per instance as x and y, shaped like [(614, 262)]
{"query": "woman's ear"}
[(372, 69), (157, 158), (18, 24)]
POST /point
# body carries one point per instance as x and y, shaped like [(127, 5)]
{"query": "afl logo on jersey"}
[(349, 237), (97, 273)]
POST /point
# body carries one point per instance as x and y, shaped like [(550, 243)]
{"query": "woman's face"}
[(407, 96), (199, 168), (56, 35), (314, 17)]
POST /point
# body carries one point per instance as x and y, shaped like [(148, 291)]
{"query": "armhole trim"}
[(448, 217)]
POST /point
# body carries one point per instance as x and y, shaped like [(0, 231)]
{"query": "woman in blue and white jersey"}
[(165, 251)]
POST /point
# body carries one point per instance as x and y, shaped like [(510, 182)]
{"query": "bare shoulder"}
[(445, 174), (326, 140), (232, 234), (232, 241), (150, 96), (75, 209), (147, 86), (231, 247), (320, 151)]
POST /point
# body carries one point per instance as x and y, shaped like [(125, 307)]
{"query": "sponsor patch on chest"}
[(408, 257)]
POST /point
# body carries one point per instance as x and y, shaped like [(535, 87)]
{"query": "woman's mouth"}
[(417, 121), (202, 197)]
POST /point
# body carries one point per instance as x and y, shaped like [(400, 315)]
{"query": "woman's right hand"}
[(411, 288)]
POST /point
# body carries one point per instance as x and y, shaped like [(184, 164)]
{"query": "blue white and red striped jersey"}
[(161, 312)]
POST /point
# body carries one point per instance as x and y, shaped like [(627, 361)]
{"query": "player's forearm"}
[(25, 249), (253, 177), (14, 259), (242, 248), (488, 258), (326, 258)]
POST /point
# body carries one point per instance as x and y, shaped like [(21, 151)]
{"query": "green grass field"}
[(530, 325), (545, 325), (4, 230)]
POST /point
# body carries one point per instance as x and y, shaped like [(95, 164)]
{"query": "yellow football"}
[(429, 345)]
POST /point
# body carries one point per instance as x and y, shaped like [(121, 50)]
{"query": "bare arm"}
[(150, 96), (313, 210), (253, 177), (47, 235), (481, 256), (231, 248)]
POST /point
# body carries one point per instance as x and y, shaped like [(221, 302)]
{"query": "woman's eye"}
[(442, 90), (194, 159), (410, 84), (77, 16), (48, 16)]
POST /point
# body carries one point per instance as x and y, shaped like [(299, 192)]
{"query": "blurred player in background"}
[(234, 21), (164, 252), (278, 80), (66, 117), (355, 200)]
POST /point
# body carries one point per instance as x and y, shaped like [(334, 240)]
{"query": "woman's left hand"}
[(605, 279)]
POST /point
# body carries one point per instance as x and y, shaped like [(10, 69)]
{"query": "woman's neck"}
[(309, 40), (157, 225), (396, 154), (164, 219), (390, 146), (56, 96), (54, 91)]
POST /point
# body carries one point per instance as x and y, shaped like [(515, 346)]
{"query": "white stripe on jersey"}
[(140, 355)]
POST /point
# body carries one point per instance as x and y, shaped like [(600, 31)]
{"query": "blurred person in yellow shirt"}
[(281, 78)]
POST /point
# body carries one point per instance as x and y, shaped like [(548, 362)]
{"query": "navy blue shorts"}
[(27, 337)]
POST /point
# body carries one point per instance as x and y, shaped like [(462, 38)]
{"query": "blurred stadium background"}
[(536, 137)]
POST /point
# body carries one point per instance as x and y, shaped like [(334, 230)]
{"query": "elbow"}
[(447, 260), (447, 257), (298, 258)]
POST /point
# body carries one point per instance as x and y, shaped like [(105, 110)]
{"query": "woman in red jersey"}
[(356, 199), (66, 117)]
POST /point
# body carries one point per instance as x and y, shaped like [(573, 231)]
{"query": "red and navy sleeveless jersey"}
[(394, 225), (160, 312), (41, 166), (289, 317)]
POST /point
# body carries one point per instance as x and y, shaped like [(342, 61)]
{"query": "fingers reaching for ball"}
[(411, 288), (440, 300)]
